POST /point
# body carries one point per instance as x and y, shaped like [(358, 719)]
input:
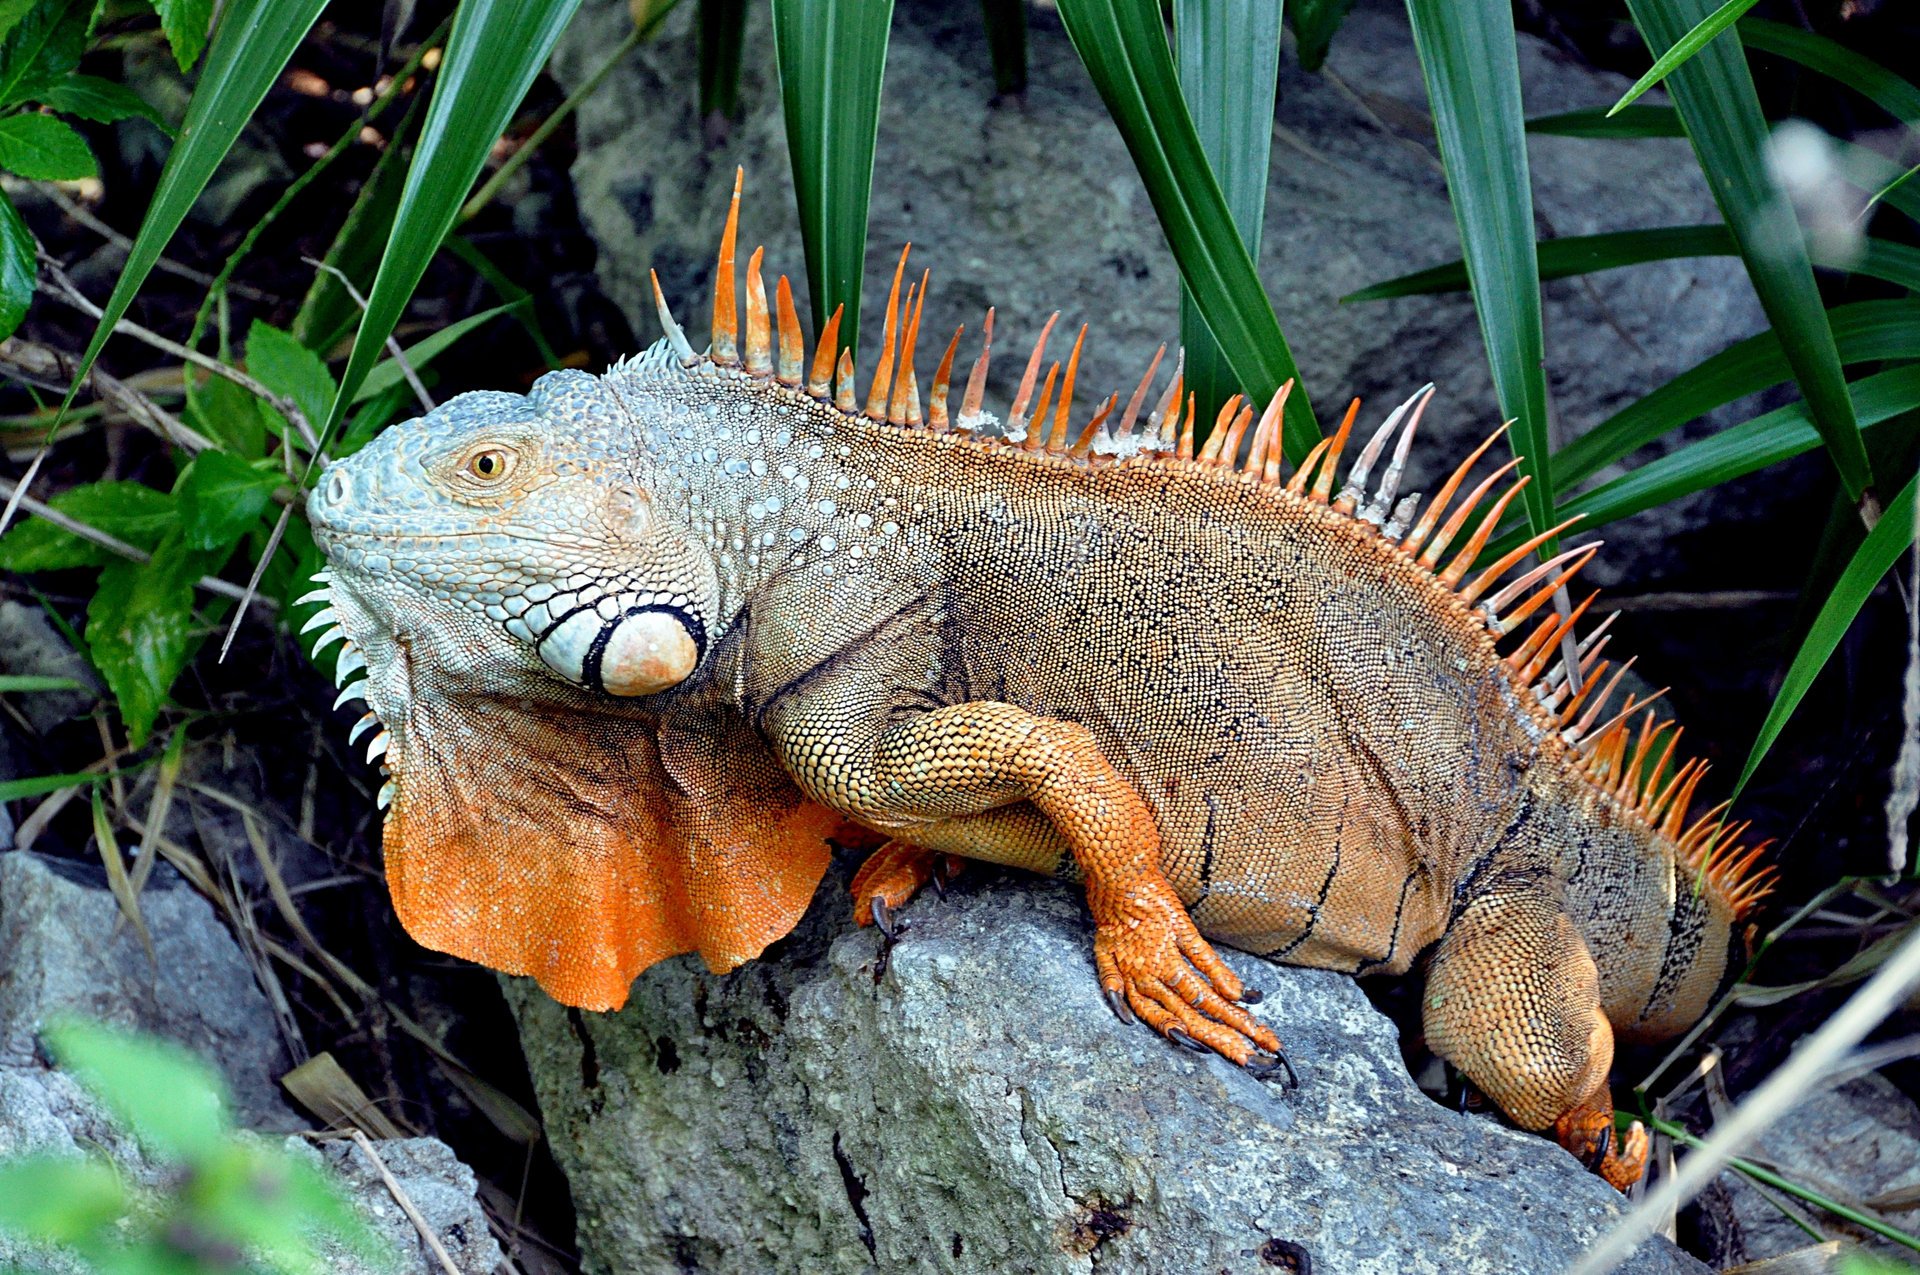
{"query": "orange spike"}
[(890, 337), (1266, 435), (977, 379), (1164, 424), (1656, 804), (1057, 441), (1535, 641), (1298, 483), (1677, 812), (897, 404), (910, 411), (1230, 450), (726, 323), (823, 355), (1632, 705), (1034, 440), (1084, 446), (1532, 576), (937, 396), (1599, 704), (1217, 436), (1323, 482), (759, 330), (1538, 663), (1519, 614), (1185, 451), (1565, 716), (1423, 528), (1498, 569), (1140, 395), (793, 346), (1659, 768), (1431, 554), (1017, 415), (1464, 560), (843, 383)]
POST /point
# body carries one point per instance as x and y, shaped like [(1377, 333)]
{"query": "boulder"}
[(435, 1182), (1033, 205), (976, 1107)]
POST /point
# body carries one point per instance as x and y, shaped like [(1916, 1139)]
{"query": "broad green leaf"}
[(278, 361), (229, 415), (11, 12), (723, 35), (387, 373), (185, 23), (1228, 57), (1630, 121), (17, 270), (100, 100), (1865, 331), (1731, 453), (59, 1199), (832, 56), (250, 49), (43, 47), (1125, 51), (1890, 537), (493, 53), (1715, 93), (41, 785), (172, 1101), (1896, 96), (1470, 57), (127, 511), (1006, 23), (1894, 262), (1689, 44), (221, 499), (42, 148), (140, 628), (1314, 23)]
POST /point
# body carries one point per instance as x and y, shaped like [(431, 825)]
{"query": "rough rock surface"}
[(1034, 205), (1857, 1142), (977, 1108), (64, 950)]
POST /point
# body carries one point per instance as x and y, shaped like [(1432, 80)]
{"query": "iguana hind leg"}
[(1513, 1001), (946, 779)]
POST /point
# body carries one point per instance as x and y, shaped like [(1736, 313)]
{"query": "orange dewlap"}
[(643, 847)]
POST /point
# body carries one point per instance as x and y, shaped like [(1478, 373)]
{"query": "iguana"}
[(636, 645)]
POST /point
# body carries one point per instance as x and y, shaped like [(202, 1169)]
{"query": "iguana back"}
[(638, 641)]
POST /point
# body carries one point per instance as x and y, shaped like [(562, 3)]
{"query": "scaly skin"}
[(639, 642)]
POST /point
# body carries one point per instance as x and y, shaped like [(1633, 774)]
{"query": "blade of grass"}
[(1124, 48), (1571, 255), (1228, 57), (1864, 331), (388, 372), (832, 57), (1715, 93), (1006, 23), (1627, 122), (723, 37), (1470, 58), (1689, 44), (250, 48), (495, 50), (1894, 95), (1890, 537)]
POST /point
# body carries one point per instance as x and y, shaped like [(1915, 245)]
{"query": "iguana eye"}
[(488, 466)]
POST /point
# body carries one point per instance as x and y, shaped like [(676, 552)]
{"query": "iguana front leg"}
[(953, 779)]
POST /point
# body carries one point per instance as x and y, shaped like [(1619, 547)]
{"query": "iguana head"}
[(504, 544)]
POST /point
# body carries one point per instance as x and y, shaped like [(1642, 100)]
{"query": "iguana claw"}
[(1269, 1068), (882, 917), (1186, 1042), (1118, 1004)]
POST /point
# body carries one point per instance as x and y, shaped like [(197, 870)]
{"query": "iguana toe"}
[(891, 876), (1588, 1133)]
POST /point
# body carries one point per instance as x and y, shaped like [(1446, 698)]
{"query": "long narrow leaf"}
[(1124, 48), (723, 36), (1896, 96), (832, 56), (1865, 331), (1629, 122), (250, 49), (1470, 58), (1732, 453), (1715, 93), (493, 53), (1228, 55), (1689, 44), (1006, 23), (1890, 537)]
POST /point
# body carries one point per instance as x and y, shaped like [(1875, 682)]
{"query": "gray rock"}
[(1857, 1142), (439, 1186), (1034, 205), (30, 645), (977, 1108), (65, 949)]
